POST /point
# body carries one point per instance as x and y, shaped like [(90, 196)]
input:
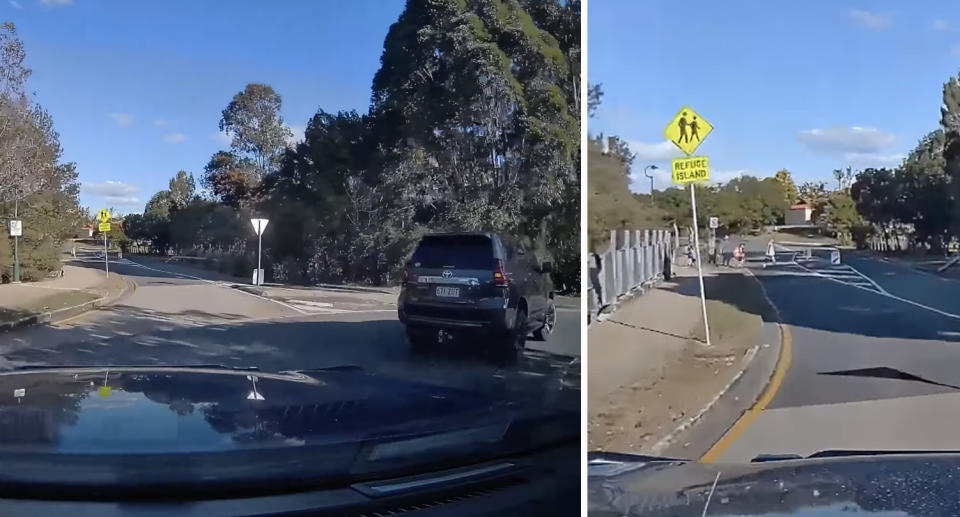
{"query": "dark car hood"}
[(225, 424), (912, 484)]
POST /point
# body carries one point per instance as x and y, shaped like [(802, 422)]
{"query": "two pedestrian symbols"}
[(687, 130)]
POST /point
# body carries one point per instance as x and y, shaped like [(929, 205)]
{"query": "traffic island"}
[(654, 385), (49, 302)]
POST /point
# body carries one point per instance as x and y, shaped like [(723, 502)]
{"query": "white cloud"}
[(725, 176), (159, 122), (55, 3), (941, 25), (15, 4), (845, 139), (869, 19), (659, 151), (220, 137), (122, 200), (174, 138), (108, 188), (864, 160), (296, 135), (122, 119)]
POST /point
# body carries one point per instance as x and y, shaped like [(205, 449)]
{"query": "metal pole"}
[(16, 243), (696, 247), (259, 251), (106, 260), (654, 167)]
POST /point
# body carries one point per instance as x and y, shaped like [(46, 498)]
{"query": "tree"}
[(841, 217), (182, 187), (789, 187), (950, 124), (496, 143), (230, 180), (254, 122), (34, 187), (594, 98), (814, 193), (843, 177)]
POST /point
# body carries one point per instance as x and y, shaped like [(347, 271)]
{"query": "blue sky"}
[(136, 88), (807, 86)]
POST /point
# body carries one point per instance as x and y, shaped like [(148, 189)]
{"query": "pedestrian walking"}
[(739, 254), (691, 255), (771, 252)]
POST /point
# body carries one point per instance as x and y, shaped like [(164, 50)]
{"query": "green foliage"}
[(254, 122), (789, 187), (594, 98), (610, 204), (841, 217), (182, 188), (473, 124), (918, 193)]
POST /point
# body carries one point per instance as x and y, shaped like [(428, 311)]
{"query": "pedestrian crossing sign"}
[(687, 130)]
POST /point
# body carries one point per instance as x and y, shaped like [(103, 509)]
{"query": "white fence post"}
[(636, 252), (647, 256), (628, 262)]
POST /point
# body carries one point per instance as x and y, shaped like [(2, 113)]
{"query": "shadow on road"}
[(805, 300), (376, 345)]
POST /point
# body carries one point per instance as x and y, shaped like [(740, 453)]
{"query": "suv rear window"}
[(458, 251)]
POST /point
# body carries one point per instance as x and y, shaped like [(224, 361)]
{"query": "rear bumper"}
[(488, 316)]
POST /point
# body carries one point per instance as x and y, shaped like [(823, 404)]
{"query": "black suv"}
[(478, 283)]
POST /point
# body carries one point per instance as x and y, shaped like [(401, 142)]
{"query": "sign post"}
[(16, 230), (258, 226), (104, 217), (687, 130)]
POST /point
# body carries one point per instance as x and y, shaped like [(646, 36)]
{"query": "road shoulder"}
[(656, 389)]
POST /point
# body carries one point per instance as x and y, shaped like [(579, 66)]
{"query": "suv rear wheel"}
[(515, 339), (549, 321)]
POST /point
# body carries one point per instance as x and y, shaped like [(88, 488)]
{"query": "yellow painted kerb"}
[(783, 363)]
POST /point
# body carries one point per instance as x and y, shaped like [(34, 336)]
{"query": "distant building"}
[(798, 214)]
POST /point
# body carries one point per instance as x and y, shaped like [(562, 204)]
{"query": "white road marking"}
[(218, 284), (884, 293)]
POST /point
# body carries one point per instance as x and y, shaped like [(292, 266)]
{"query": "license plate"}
[(448, 292)]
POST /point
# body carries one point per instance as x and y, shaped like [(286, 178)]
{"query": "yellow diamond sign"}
[(687, 130), (689, 170), (103, 215)]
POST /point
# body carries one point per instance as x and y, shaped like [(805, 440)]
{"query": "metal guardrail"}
[(634, 261)]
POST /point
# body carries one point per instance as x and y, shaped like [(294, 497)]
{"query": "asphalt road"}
[(875, 357), (173, 319)]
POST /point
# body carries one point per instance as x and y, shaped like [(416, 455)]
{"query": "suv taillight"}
[(408, 277), (498, 277)]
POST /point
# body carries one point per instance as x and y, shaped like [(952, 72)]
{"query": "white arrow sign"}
[(259, 225)]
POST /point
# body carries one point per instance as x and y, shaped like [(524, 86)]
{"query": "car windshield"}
[(464, 252), (773, 233), (210, 212)]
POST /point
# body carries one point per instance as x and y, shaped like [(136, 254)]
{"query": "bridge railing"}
[(634, 261)]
